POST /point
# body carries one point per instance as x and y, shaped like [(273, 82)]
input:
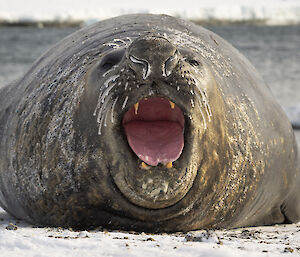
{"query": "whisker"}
[(204, 100), (110, 70), (97, 107), (200, 109), (120, 40), (103, 107), (192, 103), (129, 39), (112, 78), (105, 115), (113, 45), (112, 110), (103, 94), (100, 125), (125, 102), (107, 91), (102, 114), (206, 105)]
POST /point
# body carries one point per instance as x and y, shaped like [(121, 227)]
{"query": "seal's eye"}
[(194, 62), (111, 59)]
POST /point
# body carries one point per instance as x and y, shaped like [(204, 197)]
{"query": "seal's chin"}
[(155, 130)]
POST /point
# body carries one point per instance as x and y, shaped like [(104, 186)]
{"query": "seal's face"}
[(154, 105)]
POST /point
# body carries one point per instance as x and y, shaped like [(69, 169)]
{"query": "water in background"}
[(19, 48), (274, 51)]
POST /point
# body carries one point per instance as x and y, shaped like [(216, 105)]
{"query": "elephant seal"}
[(146, 123)]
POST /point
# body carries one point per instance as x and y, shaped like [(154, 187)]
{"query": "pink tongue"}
[(155, 141)]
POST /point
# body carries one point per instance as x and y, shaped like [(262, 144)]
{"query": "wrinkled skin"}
[(65, 159)]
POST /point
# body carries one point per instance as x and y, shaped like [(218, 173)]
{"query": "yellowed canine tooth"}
[(136, 107), (172, 104), (169, 165), (144, 166)]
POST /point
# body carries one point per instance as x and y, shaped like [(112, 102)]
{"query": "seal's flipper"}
[(291, 206), (293, 113)]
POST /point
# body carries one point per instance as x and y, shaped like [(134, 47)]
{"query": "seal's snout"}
[(152, 57), (154, 129)]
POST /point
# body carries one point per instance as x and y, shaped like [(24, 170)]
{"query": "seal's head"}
[(154, 106)]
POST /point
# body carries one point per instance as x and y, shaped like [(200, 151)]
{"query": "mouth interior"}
[(154, 130)]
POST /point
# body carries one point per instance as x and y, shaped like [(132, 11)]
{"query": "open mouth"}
[(155, 130)]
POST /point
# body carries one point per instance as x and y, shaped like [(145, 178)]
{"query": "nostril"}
[(137, 61), (170, 64), (140, 65)]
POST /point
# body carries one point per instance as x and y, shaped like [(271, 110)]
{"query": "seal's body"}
[(146, 122)]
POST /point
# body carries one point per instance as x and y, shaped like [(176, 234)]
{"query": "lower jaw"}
[(154, 187)]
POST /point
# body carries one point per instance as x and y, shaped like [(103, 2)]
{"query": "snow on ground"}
[(271, 11), (18, 238)]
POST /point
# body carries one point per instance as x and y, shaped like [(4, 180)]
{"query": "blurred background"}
[(267, 32)]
